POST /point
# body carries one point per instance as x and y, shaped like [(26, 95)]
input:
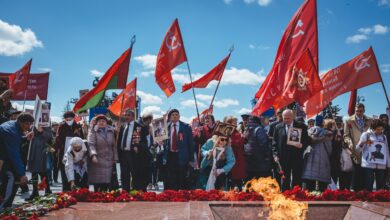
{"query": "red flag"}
[(352, 102), (300, 34), (302, 82), (215, 74), (171, 54), (19, 80), (114, 78), (38, 84), (359, 72), (125, 100)]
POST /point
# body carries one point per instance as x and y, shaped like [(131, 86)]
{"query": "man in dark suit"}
[(290, 157), (133, 153), (178, 152)]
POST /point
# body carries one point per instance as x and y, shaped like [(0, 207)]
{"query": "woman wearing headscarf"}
[(218, 160), (103, 154), (75, 161), (317, 167)]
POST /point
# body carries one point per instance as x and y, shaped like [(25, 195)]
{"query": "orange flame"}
[(281, 208)]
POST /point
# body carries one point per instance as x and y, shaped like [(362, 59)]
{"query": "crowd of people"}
[(318, 154)]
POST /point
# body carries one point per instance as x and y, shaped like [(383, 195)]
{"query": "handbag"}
[(346, 164)]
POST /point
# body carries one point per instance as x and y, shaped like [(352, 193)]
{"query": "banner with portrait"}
[(159, 129), (376, 153), (294, 137)]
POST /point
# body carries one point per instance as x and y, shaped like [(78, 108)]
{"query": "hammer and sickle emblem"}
[(362, 63), (300, 32), (171, 42), (19, 77)]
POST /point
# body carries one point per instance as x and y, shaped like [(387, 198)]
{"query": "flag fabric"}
[(114, 78), (214, 74), (302, 82), (300, 34), (352, 102), (127, 99), (19, 80), (195, 121), (171, 54), (359, 72), (38, 84)]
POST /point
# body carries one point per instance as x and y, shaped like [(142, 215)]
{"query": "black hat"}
[(172, 111), (254, 119), (69, 114), (339, 119)]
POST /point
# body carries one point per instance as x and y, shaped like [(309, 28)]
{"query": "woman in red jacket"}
[(238, 173)]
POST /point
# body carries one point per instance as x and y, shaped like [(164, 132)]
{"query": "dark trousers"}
[(374, 174), (8, 189), (126, 169), (344, 179), (153, 178), (293, 174), (358, 182), (176, 174), (233, 183), (101, 187), (81, 182), (64, 179), (56, 168), (311, 185), (35, 181)]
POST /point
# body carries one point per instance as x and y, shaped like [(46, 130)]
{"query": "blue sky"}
[(74, 39)]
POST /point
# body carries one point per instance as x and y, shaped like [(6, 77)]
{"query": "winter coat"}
[(75, 161), (364, 150), (104, 147), (230, 160), (239, 169), (38, 151), (64, 130), (337, 146), (352, 133), (317, 163), (258, 151), (11, 137)]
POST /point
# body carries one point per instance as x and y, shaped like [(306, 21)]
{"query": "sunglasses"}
[(223, 139)]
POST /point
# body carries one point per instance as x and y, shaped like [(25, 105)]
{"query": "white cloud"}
[(244, 111), (227, 1), (357, 38), (155, 110), (249, 1), (203, 97), (223, 103), (16, 41), (148, 61), (186, 119), (385, 68), (96, 73), (56, 119), (234, 76), (264, 3), (19, 107), (260, 47), (45, 69), (191, 103), (147, 73), (384, 2), (366, 30), (185, 78), (380, 29), (149, 99)]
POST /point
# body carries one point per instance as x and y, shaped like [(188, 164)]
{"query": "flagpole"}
[(25, 92), (193, 91), (219, 81)]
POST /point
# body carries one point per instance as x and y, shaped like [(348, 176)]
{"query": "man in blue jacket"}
[(178, 152), (13, 171)]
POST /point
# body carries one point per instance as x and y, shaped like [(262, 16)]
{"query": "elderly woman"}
[(375, 157), (103, 154), (218, 160), (317, 156), (75, 161)]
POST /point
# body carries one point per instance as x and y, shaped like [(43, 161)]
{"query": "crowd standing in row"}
[(329, 153)]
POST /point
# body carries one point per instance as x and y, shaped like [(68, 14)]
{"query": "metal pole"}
[(193, 91)]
